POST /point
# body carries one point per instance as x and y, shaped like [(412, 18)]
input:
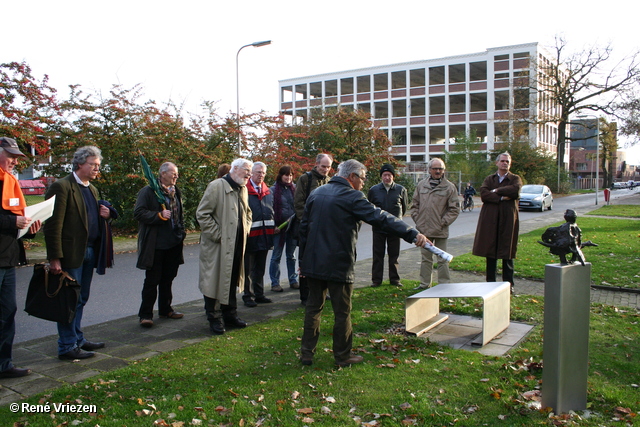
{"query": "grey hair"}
[(239, 163), (321, 156), (433, 160), (259, 164), (506, 153), (165, 167), (350, 166), (83, 153)]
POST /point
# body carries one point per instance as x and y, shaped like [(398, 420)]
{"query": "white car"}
[(535, 197)]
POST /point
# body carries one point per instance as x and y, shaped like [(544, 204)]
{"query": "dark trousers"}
[(255, 264), (158, 281), (391, 243), (217, 311), (8, 308), (340, 293), (304, 288), (213, 308), (507, 270)]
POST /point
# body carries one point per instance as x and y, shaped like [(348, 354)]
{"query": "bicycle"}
[(467, 204)]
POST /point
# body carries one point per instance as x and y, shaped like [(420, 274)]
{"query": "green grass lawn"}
[(629, 211), (252, 377), (615, 262)]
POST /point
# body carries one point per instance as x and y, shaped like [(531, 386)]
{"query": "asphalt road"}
[(117, 293)]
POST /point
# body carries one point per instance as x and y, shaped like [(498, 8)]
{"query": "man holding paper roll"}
[(435, 207), (328, 235), (12, 219)]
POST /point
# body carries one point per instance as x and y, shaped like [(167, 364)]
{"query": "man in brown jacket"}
[(497, 232), (435, 206)]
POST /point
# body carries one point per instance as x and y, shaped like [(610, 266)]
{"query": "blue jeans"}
[(274, 266), (70, 335), (8, 309)]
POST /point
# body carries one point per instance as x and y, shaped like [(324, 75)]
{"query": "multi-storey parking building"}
[(425, 105)]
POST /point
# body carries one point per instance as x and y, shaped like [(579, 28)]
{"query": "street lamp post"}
[(254, 44)]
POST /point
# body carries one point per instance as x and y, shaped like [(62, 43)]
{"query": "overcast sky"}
[(186, 50)]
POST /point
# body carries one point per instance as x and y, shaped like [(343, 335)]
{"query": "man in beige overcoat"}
[(435, 206), (225, 221)]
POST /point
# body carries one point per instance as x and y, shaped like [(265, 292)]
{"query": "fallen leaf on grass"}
[(295, 395), (404, 406), (160, 423), (470, 409), (325, 410), (222, 410), (533, 395), (330, 399), (308, 420), (305, 411)]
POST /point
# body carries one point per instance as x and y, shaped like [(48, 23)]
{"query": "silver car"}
[(535, 197)]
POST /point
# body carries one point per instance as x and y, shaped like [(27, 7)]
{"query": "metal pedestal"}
[(566, 337)]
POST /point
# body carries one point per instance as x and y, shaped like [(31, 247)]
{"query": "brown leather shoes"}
[(146, 323), (354, 358), (172, 315)]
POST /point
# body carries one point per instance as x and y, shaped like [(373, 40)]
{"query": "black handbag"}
[(52, 296)]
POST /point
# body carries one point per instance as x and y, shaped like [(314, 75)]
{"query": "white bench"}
[(422, 310)]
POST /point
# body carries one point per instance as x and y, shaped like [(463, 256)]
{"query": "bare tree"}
[(583, 81), (629, 113)]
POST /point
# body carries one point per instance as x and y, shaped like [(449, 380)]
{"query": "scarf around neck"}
[(12, 198)]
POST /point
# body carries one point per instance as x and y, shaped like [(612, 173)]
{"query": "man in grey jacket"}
[(435, 207)]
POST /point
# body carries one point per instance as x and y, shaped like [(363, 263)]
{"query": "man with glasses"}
[(435, 206), (260, 239), (225, 221), (328, 235), (160, 241), (75, 237), (309, 181)]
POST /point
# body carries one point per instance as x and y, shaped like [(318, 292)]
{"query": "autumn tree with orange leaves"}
[(345, 134)]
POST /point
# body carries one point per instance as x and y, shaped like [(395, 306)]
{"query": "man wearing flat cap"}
[(393, 198), (12, 219)]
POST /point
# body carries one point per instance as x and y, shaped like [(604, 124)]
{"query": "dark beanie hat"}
[(387, 168)]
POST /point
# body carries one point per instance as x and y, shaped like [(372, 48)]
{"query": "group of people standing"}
[(241, 219)]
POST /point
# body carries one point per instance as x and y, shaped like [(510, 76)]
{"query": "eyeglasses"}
[(94, 165), (362, 178), (437, 169)]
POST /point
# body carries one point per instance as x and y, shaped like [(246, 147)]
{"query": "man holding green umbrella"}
[(161, 236)]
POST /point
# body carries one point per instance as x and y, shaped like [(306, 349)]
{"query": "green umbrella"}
[(153, 182)]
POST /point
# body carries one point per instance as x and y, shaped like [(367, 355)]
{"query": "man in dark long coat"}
[(497, 231)]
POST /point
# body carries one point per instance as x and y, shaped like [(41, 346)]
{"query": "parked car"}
[(535, 197), (619, 185)]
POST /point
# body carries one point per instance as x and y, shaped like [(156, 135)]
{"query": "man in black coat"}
[(12, 219), (393, 198), (328, 235), (160, 241)]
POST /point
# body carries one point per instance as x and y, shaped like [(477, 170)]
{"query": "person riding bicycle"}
[(469, 192)]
